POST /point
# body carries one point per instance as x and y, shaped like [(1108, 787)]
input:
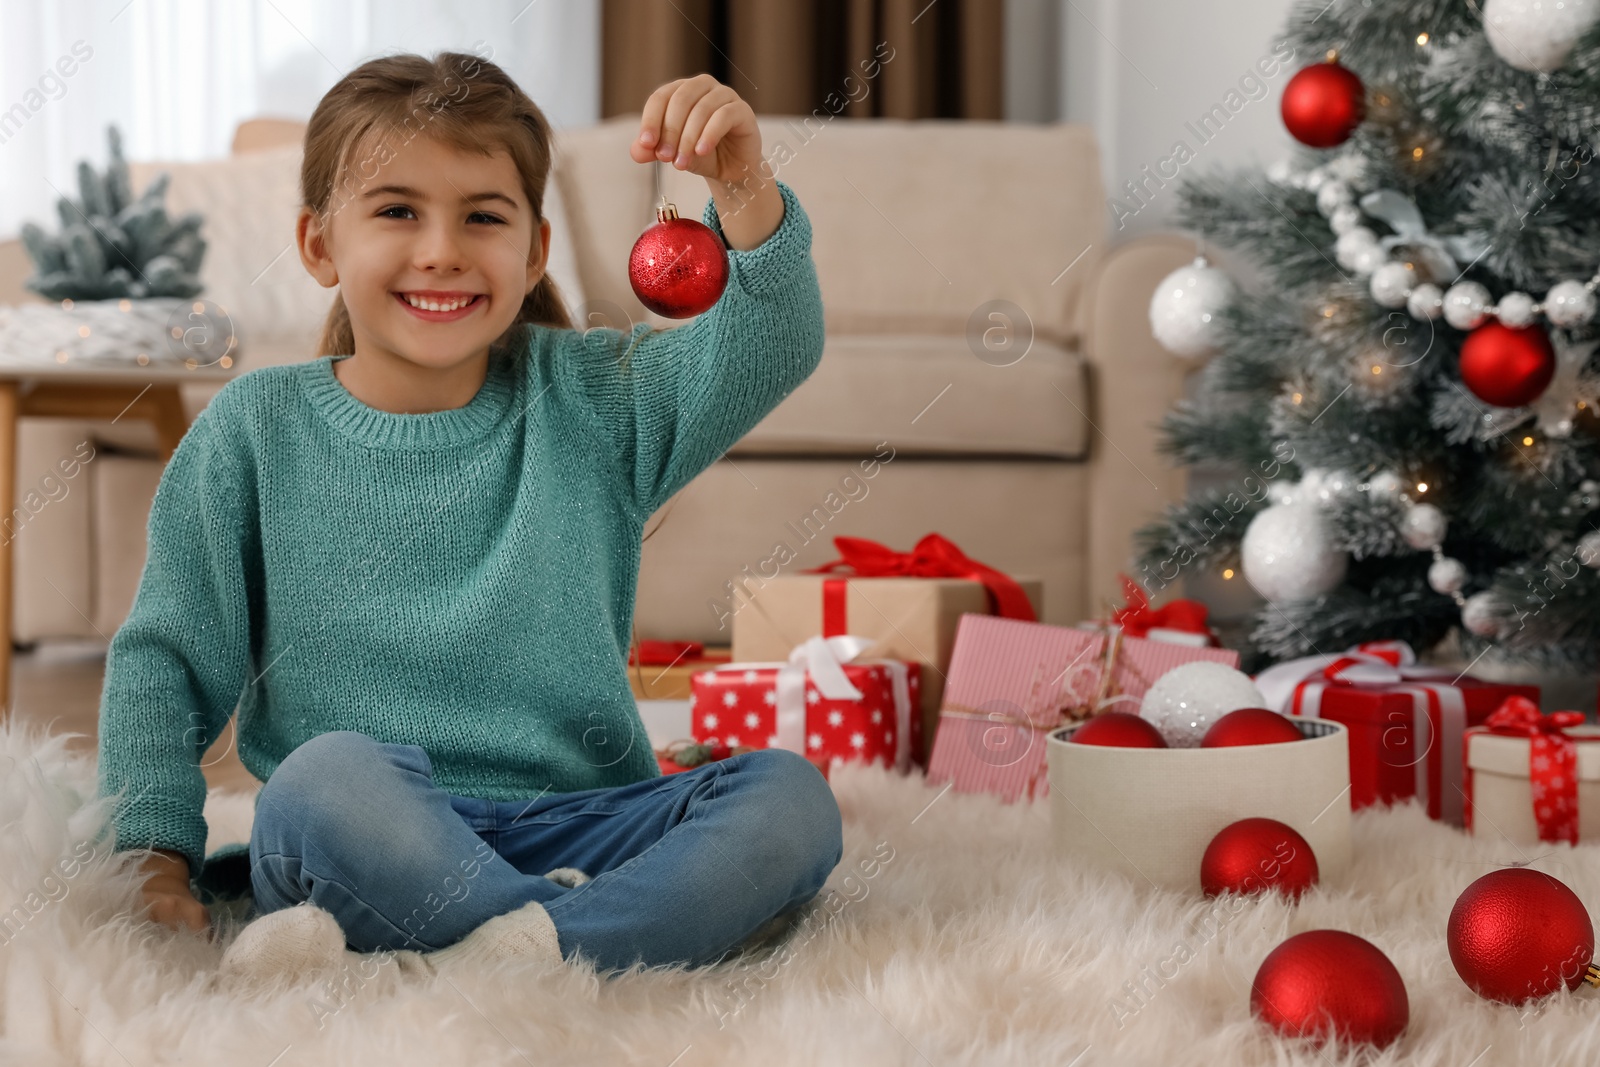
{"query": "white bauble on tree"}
[(1184, 702), (1288, 552), (1186, 307), (1537, 35)]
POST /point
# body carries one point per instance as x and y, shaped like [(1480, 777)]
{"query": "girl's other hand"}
[(701, 126)]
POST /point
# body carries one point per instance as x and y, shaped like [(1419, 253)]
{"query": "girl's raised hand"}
[(701, 126)]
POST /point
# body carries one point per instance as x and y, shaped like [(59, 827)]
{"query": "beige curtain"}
[(904, 59)]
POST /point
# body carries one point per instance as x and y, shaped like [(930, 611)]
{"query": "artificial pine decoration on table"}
[(1410, 395)]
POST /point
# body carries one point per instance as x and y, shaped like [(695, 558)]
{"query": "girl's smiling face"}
[(433, 253)]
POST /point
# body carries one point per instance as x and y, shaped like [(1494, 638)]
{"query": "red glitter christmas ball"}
[(1517, 934), (1252, 855), (1327, 983), (1119, 729), (679, 267), (1251, 726)]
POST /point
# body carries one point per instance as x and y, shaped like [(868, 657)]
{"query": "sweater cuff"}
[(771, 263), (160, 822)]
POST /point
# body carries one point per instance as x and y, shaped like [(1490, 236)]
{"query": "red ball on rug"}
[(1324, 984), (1252, 855), (1518, 934)]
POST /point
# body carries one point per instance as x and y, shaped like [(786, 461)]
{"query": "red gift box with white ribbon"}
[(824, 703), (1407, 722)]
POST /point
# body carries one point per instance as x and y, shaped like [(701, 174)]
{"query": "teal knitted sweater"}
[(463, 580)]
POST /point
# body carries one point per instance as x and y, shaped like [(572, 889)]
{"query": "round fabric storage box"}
[(1151, 812)]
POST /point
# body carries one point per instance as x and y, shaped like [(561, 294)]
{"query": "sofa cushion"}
[(916, 224), (928, 395)]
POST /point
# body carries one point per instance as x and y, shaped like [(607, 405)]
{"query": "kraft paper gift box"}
[(1407, 722), (909, 618), (1532, 778), (1013, 682)]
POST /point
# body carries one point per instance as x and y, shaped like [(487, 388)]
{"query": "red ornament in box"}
[(1407, 722), (1327, 983), (1507, 366), (1517, 934), (825, 702), (1250, 726), (679, 267), (1119, 729)]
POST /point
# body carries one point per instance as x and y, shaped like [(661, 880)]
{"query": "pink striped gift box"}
[(1011, 682)]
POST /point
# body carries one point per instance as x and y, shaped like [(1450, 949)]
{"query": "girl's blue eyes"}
[(384, 214)]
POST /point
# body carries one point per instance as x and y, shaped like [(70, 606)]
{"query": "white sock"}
[(524, 934), (570, 877), (291, 942)]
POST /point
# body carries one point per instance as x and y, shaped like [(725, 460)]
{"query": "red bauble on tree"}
[(1252, 855), (1323, 104), (1119, 729), (1507, 366), (679, 267), (1327, 983), (1519, 934), (1251, 726)]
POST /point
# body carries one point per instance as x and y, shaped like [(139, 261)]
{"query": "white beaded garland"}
[(1186, 307), (1478, 615), (1392, 282), (1359, 239), (1589, 549), (1426, 301), (1332, 196), (1447, 575), (1184, 702), (1288, 552), (1385, 483), (1515, 309), (1569, 304), (1345, 218), (1466, 305), (1423, 526)]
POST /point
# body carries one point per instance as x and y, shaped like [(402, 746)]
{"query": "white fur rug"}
[(949, 934)]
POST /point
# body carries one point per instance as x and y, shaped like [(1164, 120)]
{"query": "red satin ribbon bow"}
[(1137, 619), (1552, 763), (933, 557)]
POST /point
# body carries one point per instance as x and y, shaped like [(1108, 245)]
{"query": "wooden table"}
[(83, 391)]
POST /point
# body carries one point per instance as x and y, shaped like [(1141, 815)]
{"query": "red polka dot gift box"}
[(825, 702)]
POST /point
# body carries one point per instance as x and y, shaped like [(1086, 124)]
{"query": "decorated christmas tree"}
[(1408, 400)]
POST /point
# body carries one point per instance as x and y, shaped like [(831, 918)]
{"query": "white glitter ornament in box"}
[(1184, 702), (1185, 309), (1537, 35), (1288, 553)]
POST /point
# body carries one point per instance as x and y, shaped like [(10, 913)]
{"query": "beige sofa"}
[(930, 238)]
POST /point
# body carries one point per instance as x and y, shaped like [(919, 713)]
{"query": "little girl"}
[(411, 565)]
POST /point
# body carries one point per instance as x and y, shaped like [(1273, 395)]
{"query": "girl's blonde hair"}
[(463, 101)]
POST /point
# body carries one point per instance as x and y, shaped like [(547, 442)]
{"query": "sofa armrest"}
[(1134, 381)]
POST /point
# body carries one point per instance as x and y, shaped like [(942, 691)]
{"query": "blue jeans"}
[(683, 867)]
